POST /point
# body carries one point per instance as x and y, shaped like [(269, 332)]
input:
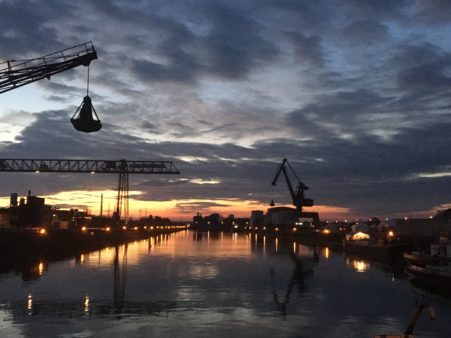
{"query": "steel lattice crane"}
[(18, 73), (297, 196), (121, 167)]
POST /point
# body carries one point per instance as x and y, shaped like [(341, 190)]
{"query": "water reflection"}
[(120, 275), (192, 284), (301, 269), (30, 304)]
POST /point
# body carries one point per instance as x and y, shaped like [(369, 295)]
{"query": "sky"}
[(356, 94)]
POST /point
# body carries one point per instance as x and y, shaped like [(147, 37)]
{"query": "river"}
[(213, 285)]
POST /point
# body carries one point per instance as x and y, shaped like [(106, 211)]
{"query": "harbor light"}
[(236, 226), (326, 231), (294, 229), (124, 228), (107, 229), (42, 231), (359, 236), (276, 229), (391, 234), (136, 228)]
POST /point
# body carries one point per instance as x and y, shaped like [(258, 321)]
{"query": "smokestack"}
[(101, 205), (13, 200), (29, 193)]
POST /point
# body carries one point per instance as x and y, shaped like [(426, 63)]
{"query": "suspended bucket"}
[(83, 119)]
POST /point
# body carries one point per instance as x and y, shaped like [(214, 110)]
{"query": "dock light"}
[(151, 228), (236, 226), (107, 229), (256, 228), (264, 228), (37, 172), (83, 228), (136, 228), (276, 229), (391, 233), (145, 227), (124, 228), (93, 172), (295, 229), (42, 231), (326, 231)]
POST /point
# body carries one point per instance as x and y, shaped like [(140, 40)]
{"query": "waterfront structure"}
[(425, 227), (257, 218)]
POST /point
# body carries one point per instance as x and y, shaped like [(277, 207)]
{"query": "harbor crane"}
[(18, 73), (297, 196), (121, 167)]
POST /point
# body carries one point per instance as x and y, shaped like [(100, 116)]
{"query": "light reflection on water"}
[(212, 284)]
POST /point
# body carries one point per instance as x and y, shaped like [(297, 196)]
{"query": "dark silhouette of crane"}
[(18, 73), (121, 167), (297, 195)]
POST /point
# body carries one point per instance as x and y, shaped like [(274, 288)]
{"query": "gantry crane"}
[(297, 196), (121, 167), (18, 73)]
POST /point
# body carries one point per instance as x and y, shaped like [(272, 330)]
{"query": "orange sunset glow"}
[(175, 209)]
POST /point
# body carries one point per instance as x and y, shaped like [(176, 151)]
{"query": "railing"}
[(21, 72)]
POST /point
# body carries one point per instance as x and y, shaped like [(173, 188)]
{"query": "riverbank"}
[(20, 250)]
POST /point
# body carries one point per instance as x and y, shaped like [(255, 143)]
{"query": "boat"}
[(382, 248), (432, 271)]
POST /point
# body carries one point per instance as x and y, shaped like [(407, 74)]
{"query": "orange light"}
[(391, 233), (326, 231), (295, 229), (83, 229), (124, 228), (276, 229), (42, 231), (136, 228), (107, 229)]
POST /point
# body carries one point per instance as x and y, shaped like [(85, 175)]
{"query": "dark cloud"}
[(355, 94), (308, 48), (367, 32)]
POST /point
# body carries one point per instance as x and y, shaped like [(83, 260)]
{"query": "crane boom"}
[(20, 73), (87, 166)]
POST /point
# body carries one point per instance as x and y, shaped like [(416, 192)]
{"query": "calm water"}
[(228, 285)]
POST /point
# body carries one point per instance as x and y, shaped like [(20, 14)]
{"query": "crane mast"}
[(15, 74)]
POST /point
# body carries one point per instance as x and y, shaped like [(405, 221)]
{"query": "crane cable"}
[(87, 86)]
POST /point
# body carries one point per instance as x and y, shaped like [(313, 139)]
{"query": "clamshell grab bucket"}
[(83, 119)]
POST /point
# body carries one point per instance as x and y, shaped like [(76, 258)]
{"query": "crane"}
[(297, 195), (121, 167), (18, 73)]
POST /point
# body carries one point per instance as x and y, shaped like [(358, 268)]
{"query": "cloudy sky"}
[(356, 94)]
